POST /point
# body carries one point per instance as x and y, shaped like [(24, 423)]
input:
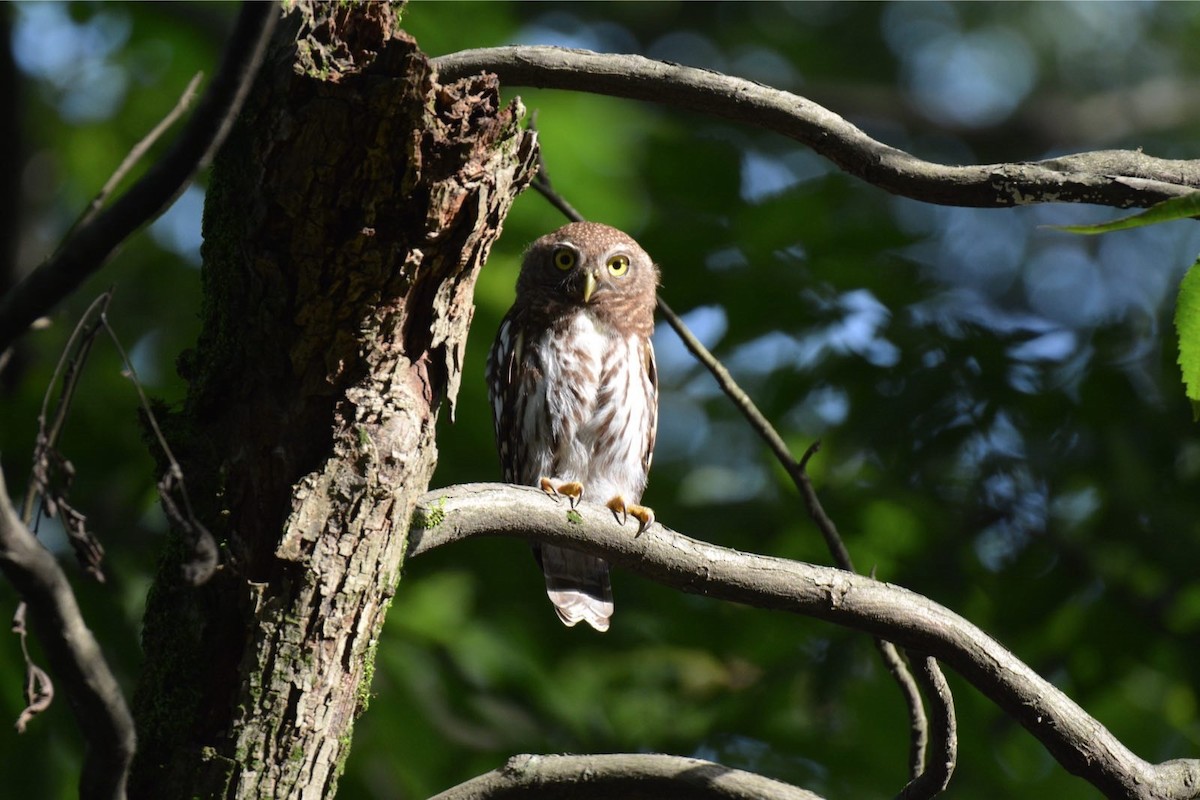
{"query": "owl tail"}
[(578, 585)]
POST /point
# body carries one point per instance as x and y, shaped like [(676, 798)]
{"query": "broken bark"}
[(347, 219)]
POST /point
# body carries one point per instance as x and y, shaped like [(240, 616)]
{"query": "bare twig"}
[(1109, 177), (1078, 741), (632, 776), (73, 654), (897, 668), (140, 149), (943, 739), (90, 244), (68, 369), (49, 462), (203, 563), (53, 473)]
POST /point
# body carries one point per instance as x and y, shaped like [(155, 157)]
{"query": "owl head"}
[(594, 268)]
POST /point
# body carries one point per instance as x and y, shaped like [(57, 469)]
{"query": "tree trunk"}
[(346, 221)]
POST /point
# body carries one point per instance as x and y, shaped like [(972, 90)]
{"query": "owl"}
[(574, 393)]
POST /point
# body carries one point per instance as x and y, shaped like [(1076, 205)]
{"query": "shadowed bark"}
[(347, 218)]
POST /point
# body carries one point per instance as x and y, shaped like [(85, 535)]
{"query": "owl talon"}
[(572, 490), (617, 506), (643, 514)]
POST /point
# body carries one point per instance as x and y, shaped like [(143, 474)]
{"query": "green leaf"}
[(1187, 325), (1183, 207), (574, 517)]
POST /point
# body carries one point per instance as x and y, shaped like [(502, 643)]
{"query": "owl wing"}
[(651, 400), (502, 380)]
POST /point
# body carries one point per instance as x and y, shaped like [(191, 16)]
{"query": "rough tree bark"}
[(347, 218)]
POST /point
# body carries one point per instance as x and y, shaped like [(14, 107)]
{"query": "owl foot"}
[(643, 514), (572, 490)]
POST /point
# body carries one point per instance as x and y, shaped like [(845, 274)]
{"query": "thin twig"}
[(52, 473), (203, 563), (90, 245), (895, 664), (140, 149), (69, 368)]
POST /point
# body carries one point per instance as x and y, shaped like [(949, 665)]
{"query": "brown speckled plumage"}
[(574, 389)]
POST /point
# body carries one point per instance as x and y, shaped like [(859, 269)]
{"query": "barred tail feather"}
[(578, 585)]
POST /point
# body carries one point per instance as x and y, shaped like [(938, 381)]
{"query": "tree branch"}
[(918, 723), (74, 657), (92, 242), (1107, 177), (640, 776), (938, 763), (1079, 742)]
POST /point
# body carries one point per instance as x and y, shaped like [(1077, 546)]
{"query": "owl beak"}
[(589, 285)]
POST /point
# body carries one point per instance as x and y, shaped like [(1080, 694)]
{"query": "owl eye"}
[(564, 258), (618, 266)]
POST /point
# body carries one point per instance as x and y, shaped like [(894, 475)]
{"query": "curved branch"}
[(73, 654), (632, 776), (938, 765), (92, 242), (796, 470), (1110, 177), (1079, 742)]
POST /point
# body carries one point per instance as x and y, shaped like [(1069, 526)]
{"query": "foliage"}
[(1187, 323), (998, 401)]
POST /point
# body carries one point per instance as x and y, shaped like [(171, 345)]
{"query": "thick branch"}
[(1111, 177), (629, 776), (91, 243), (1079, 742), (74, 656)]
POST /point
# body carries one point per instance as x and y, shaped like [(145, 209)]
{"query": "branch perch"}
[(1117, 178), (631, 776), (1079, 742)]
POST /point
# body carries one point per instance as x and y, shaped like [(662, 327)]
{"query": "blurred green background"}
[(1004, 430)]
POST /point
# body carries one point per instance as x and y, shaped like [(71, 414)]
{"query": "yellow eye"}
[(618, 266), (564, 258)]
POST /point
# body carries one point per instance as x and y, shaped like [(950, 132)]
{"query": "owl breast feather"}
[(589, 397)]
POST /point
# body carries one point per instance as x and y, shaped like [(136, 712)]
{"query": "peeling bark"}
[(347, 219)]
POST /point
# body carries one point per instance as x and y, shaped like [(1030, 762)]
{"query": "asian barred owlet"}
[(574, 392)]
